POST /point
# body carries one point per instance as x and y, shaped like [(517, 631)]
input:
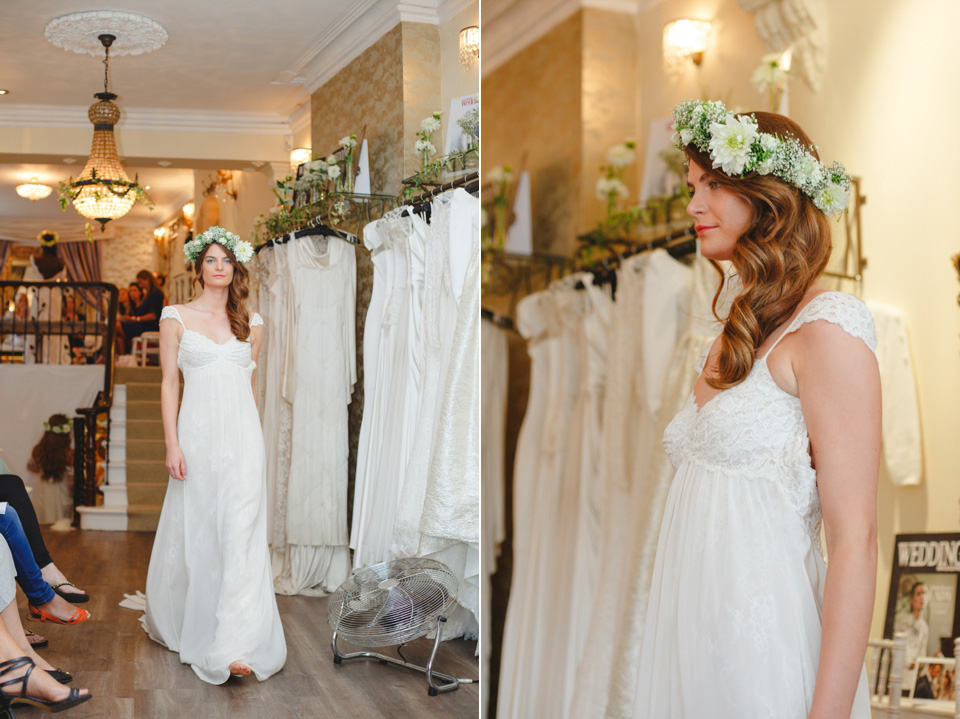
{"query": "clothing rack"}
[(495, 318), (310, 230), (421, 204)]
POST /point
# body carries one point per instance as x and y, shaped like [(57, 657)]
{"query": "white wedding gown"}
[(209, 584), (733, 619)]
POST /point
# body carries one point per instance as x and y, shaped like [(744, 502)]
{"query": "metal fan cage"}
[(393, 602)]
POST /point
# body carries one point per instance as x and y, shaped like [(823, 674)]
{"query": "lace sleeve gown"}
[(209, 584), (733, 620)]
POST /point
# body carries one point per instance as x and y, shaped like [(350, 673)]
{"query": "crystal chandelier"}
[(469, 46), (103, 192), (34, 190)]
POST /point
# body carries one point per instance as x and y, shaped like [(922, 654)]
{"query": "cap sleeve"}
[(847, 311), (256, 320), (170, 313)]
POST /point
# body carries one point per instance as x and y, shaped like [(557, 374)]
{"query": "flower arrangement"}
[(424, 144), (500, 177), (470, 124), (610, 185), (771, 77), (737, 148), (349, 144), (241, 249)]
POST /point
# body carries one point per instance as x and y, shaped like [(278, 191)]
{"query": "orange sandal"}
[(39, 615)]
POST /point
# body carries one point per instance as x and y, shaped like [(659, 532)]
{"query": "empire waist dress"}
[(734, 617), (209, 584)]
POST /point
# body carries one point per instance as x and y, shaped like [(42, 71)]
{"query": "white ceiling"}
[(229, 57)]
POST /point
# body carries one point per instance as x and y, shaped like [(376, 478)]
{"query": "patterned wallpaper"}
[(390, 87), (531, 115), (131, 250)]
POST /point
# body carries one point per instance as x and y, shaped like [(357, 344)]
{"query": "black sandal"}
[(72, 597), (60, 675), (8, 700)]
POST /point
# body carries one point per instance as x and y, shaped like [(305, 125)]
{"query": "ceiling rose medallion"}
[(80, 32)]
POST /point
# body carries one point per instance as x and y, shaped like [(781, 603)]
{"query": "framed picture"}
[(924, 602), (936, 679)]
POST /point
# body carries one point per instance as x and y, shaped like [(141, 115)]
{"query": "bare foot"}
[(40, 685), (240, 669), (28, 651), (59, 608), (53, 576)]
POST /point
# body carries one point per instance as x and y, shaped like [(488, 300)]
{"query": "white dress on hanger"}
[(397, 388), (534, 497), (647, 318), (320, 374), (493, 416), (733, 621), (449, 525), (209, 585)]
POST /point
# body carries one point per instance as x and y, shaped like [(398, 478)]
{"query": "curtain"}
[(5, 246), (84, 261)]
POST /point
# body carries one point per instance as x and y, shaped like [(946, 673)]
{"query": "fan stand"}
[(448, 684)]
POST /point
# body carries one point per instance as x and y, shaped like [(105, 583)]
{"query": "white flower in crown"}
[(832, 198), (348, 141), (730, 143), (243, 252), (808, 171)]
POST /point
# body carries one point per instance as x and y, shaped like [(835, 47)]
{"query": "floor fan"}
[(393, 603)]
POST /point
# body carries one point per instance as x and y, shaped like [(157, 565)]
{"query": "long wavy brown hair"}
[(785, 248), (52, 453), (237, 294)]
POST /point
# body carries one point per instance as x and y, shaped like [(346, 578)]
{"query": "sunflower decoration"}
[(48, 238)]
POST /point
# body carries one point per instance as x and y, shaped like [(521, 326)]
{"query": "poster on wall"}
[(457, 139), (924, 602)]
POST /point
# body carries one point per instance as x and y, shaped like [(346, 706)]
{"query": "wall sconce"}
[(682, 39), (159, 234), (300, 156), (188, 212), (469, 46)]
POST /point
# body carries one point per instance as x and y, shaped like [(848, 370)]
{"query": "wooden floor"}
[(131, 677)]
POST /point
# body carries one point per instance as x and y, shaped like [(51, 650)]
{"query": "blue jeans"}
[(28, 573)]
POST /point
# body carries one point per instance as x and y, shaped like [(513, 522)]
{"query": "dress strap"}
[(170, 313), (256, 319), (847, 311)]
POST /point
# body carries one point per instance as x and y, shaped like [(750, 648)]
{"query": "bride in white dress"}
[(782, 429), (209, 585)]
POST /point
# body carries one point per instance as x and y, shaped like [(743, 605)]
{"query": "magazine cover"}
[(923, 599)]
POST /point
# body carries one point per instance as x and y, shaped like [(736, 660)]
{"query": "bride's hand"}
[(176, 464)]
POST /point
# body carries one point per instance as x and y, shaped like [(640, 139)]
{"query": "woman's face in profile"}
[(918, 599), (721, 216)]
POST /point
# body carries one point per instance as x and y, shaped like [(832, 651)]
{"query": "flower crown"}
[(737, 147), (241, 249), (57, 428), (48, 238)]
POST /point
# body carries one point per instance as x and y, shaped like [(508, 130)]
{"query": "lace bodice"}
[(755, 430), (198, 351)]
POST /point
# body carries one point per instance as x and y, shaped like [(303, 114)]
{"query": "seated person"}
[(14, 342), (19, 662), (146, 317)]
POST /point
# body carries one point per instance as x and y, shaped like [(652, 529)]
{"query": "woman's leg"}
[(14, 493), (40, 594), (10, 616), (40, 684)]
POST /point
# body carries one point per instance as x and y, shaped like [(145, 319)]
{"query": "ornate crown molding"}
[(79, 31)]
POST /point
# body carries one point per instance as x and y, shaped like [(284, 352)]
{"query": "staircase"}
[(136, 474)]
